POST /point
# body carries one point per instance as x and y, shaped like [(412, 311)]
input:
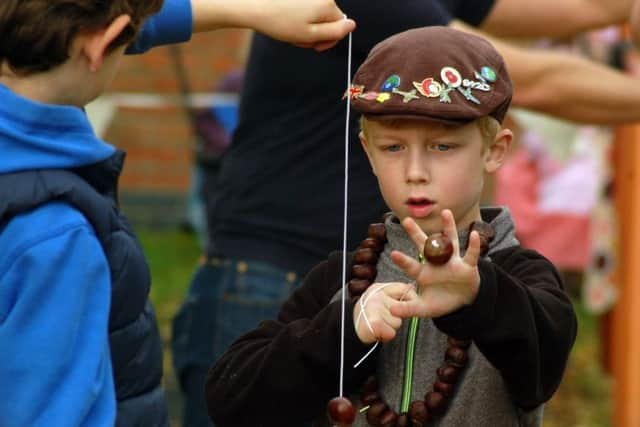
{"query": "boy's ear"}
[(496, 153), (95, 44), (365, 146)]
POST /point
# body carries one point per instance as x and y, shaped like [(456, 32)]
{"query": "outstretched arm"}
[(635, 23), (314, 23), (552, 18), (294, 21), (569, 87)]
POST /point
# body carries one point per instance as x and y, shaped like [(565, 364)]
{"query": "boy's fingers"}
[(393, 321), (407, 309), (472, 255), (449, 226), (415, 233), (382, 331), (409, 265), (328, 32)]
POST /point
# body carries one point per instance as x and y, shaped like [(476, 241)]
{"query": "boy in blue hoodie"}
[(80, 345)]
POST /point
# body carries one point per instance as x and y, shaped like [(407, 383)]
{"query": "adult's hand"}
[(311, 23)]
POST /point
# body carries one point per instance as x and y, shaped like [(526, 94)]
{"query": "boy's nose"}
[(417, 169)]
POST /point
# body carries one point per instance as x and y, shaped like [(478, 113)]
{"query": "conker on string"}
[(341, 412), (438, 249)]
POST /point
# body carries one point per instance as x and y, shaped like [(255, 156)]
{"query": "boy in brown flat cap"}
[(477, 338)]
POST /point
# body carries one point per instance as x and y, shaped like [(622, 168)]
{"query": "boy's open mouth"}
[(419, 207), (416, 201)]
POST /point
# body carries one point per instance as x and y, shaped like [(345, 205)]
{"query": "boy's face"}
[(423, 168)]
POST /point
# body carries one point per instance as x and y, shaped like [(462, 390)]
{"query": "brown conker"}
[(341, 412), (438, 249)]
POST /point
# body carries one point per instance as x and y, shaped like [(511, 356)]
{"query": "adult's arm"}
[(566, 86), (55, 365), (286, 370), (635, 23), (521, 321), (552, 18), (294, 21)]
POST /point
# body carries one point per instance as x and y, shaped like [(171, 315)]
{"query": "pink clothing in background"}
[(551, 203)]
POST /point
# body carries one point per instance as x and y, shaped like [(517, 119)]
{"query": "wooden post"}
[(625, 318)]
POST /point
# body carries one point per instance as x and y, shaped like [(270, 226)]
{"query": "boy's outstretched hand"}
[(317, 24), (441, 289)]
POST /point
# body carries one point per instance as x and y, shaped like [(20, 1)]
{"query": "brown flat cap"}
[(432, 73)]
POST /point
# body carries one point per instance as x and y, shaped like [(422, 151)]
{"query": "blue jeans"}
[(227, 297)]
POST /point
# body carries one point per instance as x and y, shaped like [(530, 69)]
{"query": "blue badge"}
[(488, 73), (391, 83)]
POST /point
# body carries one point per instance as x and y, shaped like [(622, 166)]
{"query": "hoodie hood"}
[(42, 136)]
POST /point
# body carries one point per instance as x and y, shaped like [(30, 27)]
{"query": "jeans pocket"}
[(254, 294)]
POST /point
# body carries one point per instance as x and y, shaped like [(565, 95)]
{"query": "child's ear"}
[(95, 44), (365, 146), (496, 153)]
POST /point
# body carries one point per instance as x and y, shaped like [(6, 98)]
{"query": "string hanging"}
[(345, 215)]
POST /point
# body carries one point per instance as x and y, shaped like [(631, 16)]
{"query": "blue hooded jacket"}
[(56, 364)]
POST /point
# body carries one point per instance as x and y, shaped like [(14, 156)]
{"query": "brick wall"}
[(149, 122)]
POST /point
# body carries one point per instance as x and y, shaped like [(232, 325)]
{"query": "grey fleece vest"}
[(481, 398)]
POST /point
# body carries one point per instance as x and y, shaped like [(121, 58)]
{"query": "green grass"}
[(172, 258), (583, 399)]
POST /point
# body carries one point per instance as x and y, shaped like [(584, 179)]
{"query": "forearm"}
[(551, 18), (215, 14), (289, 366), (574, 88), (280, 369), (566, 86), (312, 23), (635, 23)]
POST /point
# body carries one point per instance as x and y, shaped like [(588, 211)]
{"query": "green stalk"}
[(409, 358)]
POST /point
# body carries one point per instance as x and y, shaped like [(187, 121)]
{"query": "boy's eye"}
[(394, 148), (441, 147)]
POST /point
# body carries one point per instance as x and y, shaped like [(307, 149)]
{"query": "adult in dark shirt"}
[(277, 206)]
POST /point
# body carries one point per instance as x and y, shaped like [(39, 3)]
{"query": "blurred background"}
[(563, 184)]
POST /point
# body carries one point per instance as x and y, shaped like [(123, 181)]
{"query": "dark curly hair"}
[(35, 35)]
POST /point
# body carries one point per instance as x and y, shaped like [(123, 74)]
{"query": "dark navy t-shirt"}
[(279, 196)]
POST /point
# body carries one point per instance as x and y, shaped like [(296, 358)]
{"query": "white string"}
[(345, 216)]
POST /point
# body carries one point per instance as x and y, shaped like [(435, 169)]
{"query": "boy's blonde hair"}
[(489, 128)]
